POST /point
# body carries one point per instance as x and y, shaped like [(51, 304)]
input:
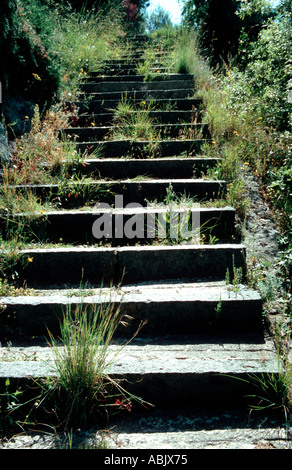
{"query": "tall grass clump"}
[(82, 391), (83, 41), (134, 122), (81, 360)]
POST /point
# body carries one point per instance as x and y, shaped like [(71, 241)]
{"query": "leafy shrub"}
[(28, 65)]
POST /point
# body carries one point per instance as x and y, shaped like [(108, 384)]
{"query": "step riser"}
[(126, 87), (176, 391), (142, 149), (163, 117), (51, 267), (19, 322), (133, 62), (172, 391), (98, 133), (133, 58), (79, 227), (132, 191), (134, 95), (159, 76), (128, 70), (160, 168), (94, 106)]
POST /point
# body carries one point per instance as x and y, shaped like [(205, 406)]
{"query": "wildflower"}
[(26, 117), (93, 124), (43, 212), (246, 163), (213, 142), (37, 77), (235, 132), (30, 259), (119, 403)]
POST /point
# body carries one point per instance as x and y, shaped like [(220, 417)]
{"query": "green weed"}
[(83, 389)]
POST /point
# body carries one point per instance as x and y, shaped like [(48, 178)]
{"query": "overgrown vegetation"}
[(244, 90), (80, 392), (51, 46), (244, 93), (67, 43)]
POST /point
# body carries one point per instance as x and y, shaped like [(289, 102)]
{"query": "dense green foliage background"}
[(31, 64), (248, 44)]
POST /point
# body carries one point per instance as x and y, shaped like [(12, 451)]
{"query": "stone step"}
[(132, 56), (84, 226), (185, 130), (141, 148), (138, 38), (159, 76), (191, 429), (170, 168), (71, 265), (136, 86), (123, 65), (154, 94), (163, 117), (97, 106), (169, 376), (132, 190), (169, 309), (129, 70)]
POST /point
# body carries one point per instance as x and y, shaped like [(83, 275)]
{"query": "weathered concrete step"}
[(97, 106), (138, 38), (80, 226), (168, 376), (232, 437), (188, 130), (130, 70), (173, 93), (158, 59), (171, 168), (128, 86), (159, 76), (133, 190), (60, 266), (132, 56), (168, 309), (163, 117), (197, 428), (122, 65), (142, 148)]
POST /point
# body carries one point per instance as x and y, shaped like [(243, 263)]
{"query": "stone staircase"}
[(201, 334)]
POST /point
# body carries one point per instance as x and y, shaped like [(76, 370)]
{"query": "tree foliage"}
[(157, 19), (222, 23)]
